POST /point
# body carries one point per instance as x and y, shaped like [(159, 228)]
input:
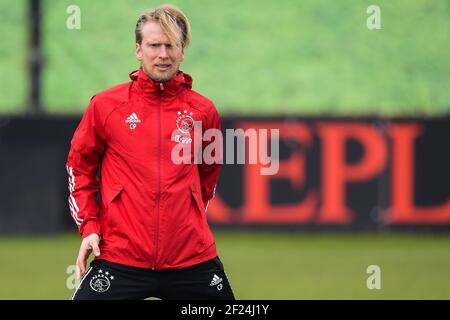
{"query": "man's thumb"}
[(95, 249)]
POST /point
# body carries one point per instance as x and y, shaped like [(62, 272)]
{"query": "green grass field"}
[(263, 265), (312, 57)]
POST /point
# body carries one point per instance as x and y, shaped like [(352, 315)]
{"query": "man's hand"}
[(89, 244)]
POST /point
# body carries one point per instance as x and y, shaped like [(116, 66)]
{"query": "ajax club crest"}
[(185, 122), (101, 282)]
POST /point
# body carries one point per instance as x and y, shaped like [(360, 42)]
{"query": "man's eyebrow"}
[(159, 43)]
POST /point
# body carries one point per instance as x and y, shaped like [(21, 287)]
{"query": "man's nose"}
[(163, 52)]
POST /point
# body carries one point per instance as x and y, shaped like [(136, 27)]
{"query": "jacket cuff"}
[(90, 228)]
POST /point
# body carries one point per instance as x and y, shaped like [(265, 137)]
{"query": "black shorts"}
[(106, 280)]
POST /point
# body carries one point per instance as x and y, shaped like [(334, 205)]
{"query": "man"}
[(149, 234)]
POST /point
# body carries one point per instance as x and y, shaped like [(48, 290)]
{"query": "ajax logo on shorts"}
[(101, 282)]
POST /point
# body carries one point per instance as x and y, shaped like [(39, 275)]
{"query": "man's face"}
[(158, 56)]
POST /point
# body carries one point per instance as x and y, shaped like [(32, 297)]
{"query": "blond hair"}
[(172, 20)]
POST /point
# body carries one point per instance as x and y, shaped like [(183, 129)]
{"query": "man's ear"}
[(138, 52)]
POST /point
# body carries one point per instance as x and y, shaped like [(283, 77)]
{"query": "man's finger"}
[(81, 260), (81, 268), (77, 272), (95, 248), (83, 255)]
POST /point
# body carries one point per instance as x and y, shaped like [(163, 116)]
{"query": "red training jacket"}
[(152, 211)]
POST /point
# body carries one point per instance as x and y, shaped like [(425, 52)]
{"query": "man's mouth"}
[(162, 66)]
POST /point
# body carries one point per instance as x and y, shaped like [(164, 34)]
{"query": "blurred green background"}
[(312, 57), (263, 265), (271, 57)]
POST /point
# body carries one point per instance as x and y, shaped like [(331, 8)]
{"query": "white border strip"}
[(79, 285)]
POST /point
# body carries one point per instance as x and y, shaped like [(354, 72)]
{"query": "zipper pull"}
[(161, 86)]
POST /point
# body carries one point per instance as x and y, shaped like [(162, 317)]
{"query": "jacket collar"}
[(171, 87)]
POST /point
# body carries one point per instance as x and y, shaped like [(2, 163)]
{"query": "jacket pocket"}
[(112, 207), (198, 199), (201, 222), (111, 194)]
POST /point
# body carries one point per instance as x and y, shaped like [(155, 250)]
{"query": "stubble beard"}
[(162, 77)]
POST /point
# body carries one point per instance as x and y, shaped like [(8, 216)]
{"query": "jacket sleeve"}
[(209, 173), (83, 161)]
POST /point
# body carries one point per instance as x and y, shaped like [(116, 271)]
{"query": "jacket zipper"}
[(158, 194)]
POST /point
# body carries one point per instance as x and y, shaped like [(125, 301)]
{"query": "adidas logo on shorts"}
[(215, 280)]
